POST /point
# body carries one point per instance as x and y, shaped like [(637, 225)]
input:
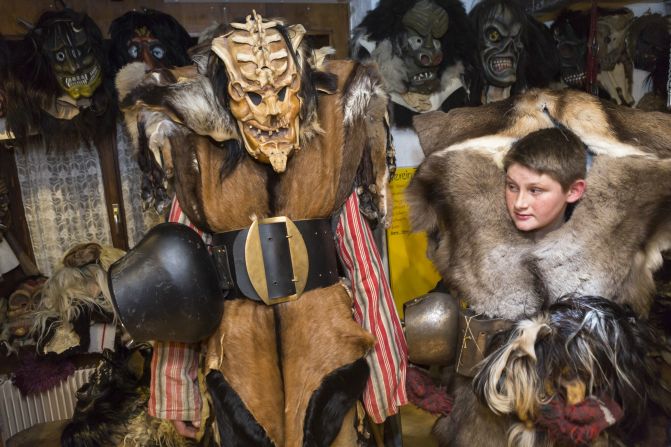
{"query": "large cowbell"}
[(166, 288)]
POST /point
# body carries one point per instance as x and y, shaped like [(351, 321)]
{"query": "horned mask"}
[(264, 82)]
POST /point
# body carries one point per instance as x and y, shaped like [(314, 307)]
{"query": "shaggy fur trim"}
[(331, 402), (587, 338)]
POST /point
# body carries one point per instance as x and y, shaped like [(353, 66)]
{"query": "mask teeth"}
[(424, 76), (82, 79)]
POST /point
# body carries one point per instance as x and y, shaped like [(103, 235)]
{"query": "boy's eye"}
[(536, 190), (511, 187)]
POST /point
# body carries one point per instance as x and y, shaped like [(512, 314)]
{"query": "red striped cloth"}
[(375, 311), (174, 365)]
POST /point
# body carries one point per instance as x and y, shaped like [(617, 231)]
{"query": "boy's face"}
[(537, 201)]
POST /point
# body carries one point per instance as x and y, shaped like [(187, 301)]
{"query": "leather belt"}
[(276, 259)]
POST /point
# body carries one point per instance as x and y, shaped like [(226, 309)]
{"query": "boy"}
[(545, 172)]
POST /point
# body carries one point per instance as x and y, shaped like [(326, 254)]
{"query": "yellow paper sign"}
[(411, 274)]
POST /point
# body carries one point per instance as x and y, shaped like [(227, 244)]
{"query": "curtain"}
[(138, 220), (63, 198)]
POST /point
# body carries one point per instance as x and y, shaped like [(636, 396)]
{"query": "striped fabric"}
[(375, 311), (174, 365)]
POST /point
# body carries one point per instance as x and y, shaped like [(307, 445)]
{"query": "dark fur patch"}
[(105, 404), (324, 82), (329, 404), (237, 426)]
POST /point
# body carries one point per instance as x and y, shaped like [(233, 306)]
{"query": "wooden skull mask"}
[(264, 82)]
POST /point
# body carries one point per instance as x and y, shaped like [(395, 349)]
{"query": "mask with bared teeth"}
[(263, 86)]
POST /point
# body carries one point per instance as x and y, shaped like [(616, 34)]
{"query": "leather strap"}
[(474, 335), (230, 258)]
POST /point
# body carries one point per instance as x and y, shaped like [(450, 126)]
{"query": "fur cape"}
[(610, 246), (183, 116), (32, 89)]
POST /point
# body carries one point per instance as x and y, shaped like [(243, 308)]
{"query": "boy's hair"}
[(556, 152)]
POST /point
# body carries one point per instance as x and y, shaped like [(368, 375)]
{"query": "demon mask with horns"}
[(57, 82), (515, 51), (148, 36), (262, 135), (423, 49), (576, 299)]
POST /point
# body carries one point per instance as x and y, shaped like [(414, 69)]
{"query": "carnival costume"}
[(264, 128)]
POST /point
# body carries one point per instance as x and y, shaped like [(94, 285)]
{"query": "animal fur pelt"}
[(588, 340), (111, 408), (456, 196), (32, 89), (76, 294)]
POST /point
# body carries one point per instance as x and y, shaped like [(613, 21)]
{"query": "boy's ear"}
[(576, 190)]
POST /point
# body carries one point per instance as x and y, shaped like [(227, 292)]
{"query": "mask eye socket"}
[(133, 51), (255, 98), (60, 56), (282, 94), (158, 52), (415, 42), (493, 35)]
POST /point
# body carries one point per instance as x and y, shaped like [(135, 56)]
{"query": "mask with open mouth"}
[(500, 47), (570, 34), (72, 59), (263, 87), (425, 24)]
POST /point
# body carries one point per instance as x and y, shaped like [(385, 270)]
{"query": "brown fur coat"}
[(610, 246)]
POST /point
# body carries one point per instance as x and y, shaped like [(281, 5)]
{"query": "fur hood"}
[(610, 246)]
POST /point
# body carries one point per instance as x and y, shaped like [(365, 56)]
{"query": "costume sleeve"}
[(174, 392), (375, 311)]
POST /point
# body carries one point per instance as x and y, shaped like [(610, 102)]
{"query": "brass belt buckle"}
[(255, 265)]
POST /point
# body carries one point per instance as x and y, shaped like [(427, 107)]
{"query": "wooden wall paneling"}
[(109, 165)]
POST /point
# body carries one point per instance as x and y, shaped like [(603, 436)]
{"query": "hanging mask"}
[(648, 41), (263, 87), (572, 49), (72, 59), (425, 24), (148, 36), (144, 47), (611, 34), (501, 47)]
